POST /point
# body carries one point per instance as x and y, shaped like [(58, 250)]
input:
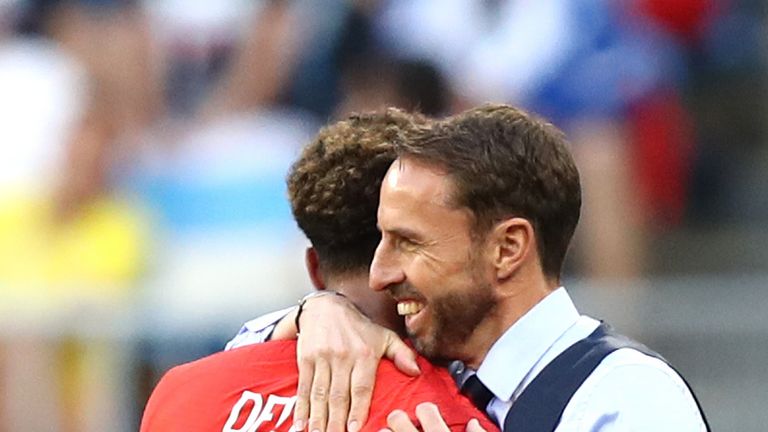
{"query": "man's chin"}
[(428, 348)]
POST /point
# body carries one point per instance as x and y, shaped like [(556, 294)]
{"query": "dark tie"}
[(477, 392)]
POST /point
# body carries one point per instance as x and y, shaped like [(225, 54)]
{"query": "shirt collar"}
[(521, 347)]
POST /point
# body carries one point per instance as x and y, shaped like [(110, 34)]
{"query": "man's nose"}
[(384, 269)]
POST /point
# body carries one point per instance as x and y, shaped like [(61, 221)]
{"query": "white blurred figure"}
[(43, 92), (214, 170), (70, 245)]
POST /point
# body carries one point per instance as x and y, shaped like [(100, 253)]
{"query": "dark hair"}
[(505, 162), (334, 185)]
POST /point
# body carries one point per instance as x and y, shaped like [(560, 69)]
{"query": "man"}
[(333, 189), (476, 216)]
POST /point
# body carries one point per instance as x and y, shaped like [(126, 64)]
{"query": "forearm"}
[(279, 325), (265, 328), (286, 327)]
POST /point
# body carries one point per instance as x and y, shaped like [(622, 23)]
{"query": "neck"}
[(517, 298), (380, 307), (348, 284)]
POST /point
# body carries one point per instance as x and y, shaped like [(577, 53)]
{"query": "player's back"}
[(254, 389)]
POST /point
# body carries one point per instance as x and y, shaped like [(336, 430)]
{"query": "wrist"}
[(284, 329), (306, 298)]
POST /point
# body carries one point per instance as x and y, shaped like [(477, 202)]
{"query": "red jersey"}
[(253, 388)]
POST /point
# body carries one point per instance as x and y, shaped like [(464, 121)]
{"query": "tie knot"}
[(477, 392), (457, 369)]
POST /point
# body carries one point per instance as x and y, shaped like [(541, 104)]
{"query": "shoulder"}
[(637, 390), (627, 366), (215, 369), (163, 402), (201, 392), (273, 352)]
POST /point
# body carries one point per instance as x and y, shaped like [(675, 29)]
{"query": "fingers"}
[(337, 365), (403, 357), (362, 382), (323, 395), (430, 418), (318, 397), (306, 377), (315, 350), (338, 401), (398, 421), (474, 426)]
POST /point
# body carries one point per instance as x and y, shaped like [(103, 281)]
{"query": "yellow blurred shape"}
[(95, 253)]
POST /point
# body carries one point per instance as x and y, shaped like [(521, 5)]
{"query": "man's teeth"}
[(409, 307)]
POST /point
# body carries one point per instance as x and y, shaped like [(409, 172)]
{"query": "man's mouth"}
[(409, 307)]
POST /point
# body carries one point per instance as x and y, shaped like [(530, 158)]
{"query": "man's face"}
[(428, 260)]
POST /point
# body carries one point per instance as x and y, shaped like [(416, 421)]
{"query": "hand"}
[(338, 353), (474, 426), (430, 420)]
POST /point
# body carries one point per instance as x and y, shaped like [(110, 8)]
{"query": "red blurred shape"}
[(685, 18)]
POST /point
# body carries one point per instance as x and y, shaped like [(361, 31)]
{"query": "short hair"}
[(334, 185), (506, 163)]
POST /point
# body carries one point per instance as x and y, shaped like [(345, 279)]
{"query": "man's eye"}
[(406, 244)]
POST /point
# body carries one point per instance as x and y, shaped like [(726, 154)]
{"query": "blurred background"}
[(143, 215)]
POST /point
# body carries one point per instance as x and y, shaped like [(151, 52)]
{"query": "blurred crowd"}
[(146, 144)]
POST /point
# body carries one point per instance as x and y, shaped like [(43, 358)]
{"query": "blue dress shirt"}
[(628, 391)]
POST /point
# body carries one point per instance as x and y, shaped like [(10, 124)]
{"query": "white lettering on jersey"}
[(258, 416), (235, 413)]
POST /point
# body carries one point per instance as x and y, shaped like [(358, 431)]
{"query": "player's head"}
[(334, 193)]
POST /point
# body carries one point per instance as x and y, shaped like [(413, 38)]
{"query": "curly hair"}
[(334, 185), (504, 162)]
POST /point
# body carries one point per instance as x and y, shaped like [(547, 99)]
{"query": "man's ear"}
[(313, 268), (512, 242)]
